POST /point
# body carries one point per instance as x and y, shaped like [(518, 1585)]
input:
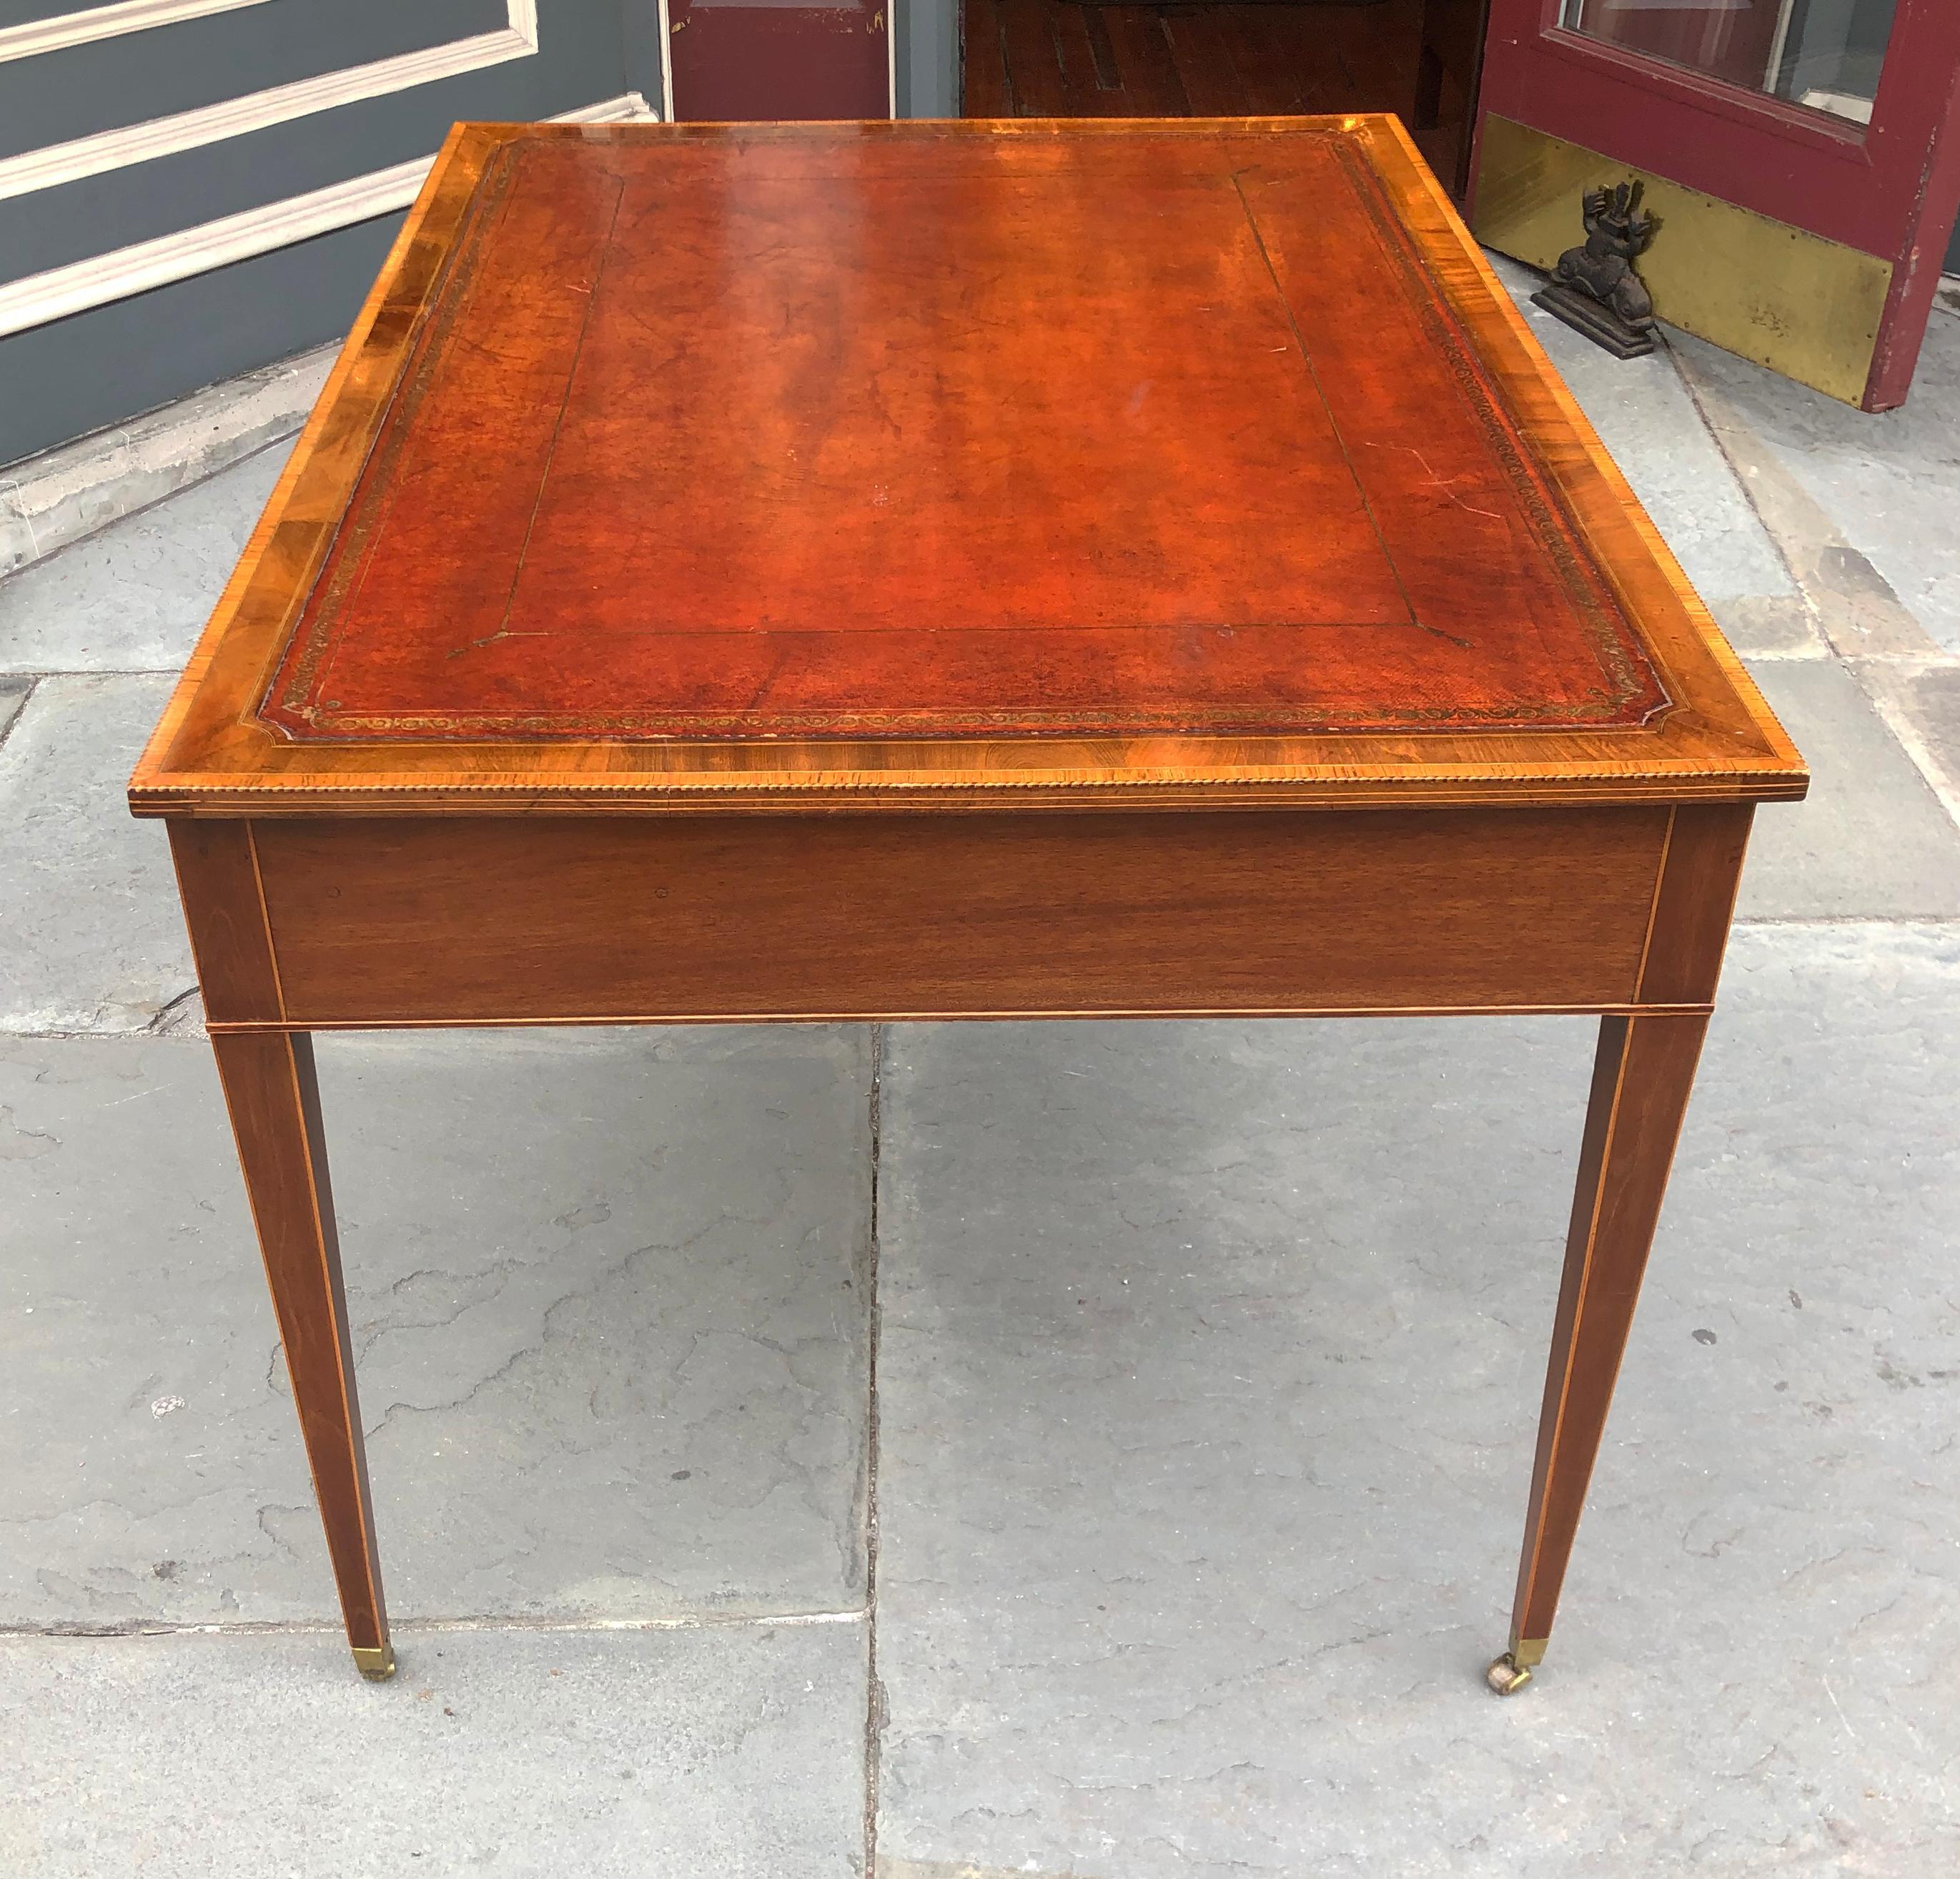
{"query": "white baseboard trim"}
[(61, 495), (49, 500), (38, 298)]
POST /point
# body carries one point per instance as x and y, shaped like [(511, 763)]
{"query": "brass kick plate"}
[(1805, 307)]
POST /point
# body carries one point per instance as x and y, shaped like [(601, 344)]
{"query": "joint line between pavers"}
[(271, 1628)]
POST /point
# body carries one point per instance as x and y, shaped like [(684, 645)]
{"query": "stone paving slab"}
[(610, 1309), (134, 598), (13, 691), (1646, 416), (1210, 1361), (1872, 839), (734, 1752), (1780, 626), (1921, 705), (1889, 480), (91, 938), (1853, 608)]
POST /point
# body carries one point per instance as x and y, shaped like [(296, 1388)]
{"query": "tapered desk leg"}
[(1640, 1085), (269, 1089)]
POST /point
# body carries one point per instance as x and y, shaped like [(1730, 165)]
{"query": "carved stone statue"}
[(1595, 289)]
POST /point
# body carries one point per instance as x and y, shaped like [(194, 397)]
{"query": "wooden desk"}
[(906, 571)]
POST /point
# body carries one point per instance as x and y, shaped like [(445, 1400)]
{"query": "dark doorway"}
[(1078, 58)]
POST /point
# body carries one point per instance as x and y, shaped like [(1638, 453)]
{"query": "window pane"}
[(1824, 54)]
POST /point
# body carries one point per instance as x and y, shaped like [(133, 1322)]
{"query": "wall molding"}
[(39, 298), (56, 163), (48, 501), (56, 35), (666, 61)]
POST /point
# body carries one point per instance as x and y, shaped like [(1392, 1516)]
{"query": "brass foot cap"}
[(375, 1661), (1507, 1676)]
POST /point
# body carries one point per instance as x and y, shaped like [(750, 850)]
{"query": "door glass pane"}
[(1824, 54)]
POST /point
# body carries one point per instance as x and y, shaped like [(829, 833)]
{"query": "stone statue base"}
[(1597, 321)]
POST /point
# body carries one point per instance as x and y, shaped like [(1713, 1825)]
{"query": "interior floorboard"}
[(1065, 59)]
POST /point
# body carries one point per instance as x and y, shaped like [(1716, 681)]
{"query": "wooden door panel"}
[(743, 64), (1804, 239)]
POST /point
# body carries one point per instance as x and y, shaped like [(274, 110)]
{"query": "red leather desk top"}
[(751, 436)]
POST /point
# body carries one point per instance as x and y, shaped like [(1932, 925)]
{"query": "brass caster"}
[(1507, 1676), (375, 1661), (1513, 1671)]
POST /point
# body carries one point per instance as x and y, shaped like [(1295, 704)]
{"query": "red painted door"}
[(743, 63), (1838, 117)]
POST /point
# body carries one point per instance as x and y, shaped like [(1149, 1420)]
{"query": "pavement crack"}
[(17, 1142), (167, 1013)]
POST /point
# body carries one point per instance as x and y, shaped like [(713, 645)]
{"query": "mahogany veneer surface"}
[(710, 917), (949, 456)]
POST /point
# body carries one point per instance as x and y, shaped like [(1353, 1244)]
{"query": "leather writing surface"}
[(738, 436)]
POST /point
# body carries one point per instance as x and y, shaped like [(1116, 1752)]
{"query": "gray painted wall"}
[(82, 89), (100, 366), (928, 58), (97, 368)]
